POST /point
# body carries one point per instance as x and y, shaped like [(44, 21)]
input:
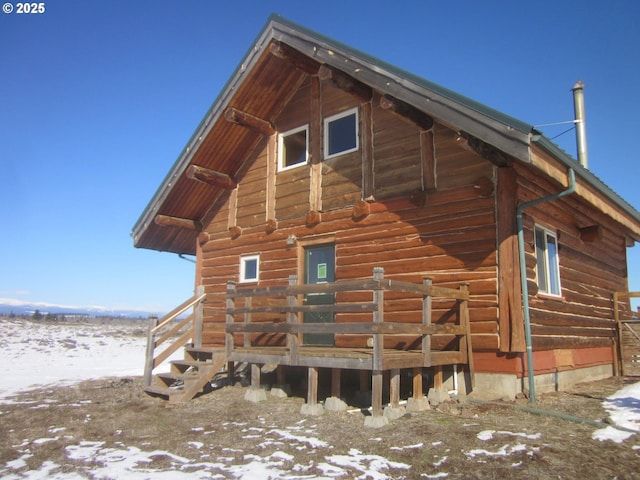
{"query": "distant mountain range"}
[(19, 307)]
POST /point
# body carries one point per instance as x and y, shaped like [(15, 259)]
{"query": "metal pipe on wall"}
[(523, 275)]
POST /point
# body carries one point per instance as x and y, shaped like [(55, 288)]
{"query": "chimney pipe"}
[(581, 129)]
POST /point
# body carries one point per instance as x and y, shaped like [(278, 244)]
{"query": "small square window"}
[(548, 263), (249, 268), (341, 133), (293, 148)]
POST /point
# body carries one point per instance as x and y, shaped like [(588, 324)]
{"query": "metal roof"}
[(502, 131)]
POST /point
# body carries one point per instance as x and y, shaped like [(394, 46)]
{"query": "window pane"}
[(541, 260), (342, 134), (294, 148), (554, 273), (249, 268)]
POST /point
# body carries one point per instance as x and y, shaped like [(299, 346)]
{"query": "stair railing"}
[(173, 335)]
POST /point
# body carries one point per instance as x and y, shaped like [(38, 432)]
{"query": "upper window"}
[(547, 262), (249, 268), (341, 133), (293, 148)]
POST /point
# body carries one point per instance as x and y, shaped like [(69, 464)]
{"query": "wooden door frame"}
[(302, 244)]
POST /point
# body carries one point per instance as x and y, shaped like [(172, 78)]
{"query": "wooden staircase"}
[(189, 376)]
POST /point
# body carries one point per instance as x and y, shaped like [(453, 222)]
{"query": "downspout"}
[(523, 274)]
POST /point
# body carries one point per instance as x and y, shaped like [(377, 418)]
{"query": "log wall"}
[(449, 236), (591, 268)]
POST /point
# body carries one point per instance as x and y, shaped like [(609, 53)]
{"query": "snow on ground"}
[(624, 410), (37, 353), (34, 353)]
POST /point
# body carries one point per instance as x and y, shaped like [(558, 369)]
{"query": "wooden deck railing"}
[(286, 304), (173, 335), (627, 347)]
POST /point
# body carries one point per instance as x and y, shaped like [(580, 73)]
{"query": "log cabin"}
[(346, 215)]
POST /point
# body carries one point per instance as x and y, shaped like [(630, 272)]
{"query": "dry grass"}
[(221, 425)]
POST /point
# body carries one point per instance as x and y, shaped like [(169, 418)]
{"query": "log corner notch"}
[(244, 119), (271, 226), (403, 109), (294, 57), (235, 232), (361, 210), (211, 177), (184, 223), (313, 218), (591, 233), (338, 79), (484, 150)]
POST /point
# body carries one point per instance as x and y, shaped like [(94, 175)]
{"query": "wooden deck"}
[(256, 316), (344, 358)]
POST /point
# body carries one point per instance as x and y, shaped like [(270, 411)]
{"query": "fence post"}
[(151, 340), (427, 301), (466, 342), (378, 317), (230, 304), (293, 339), (198, 320), (378, 346)]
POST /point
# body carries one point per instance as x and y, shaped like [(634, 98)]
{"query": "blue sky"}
[(98, 98)]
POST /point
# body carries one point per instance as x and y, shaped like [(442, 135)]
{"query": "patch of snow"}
[(624, 411), (408, 447), (312, 442), (371, 466), (488, 435), (505, 451)]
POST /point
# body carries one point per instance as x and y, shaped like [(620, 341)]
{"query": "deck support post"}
[(418, 401), (151, 342), (231, 372), (438, 394), (334, 402), (312, 407), (394, 410), (281, 389), (377, 418), (255, 394)]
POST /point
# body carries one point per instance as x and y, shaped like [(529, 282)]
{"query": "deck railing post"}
[(378, 317), (293, 340), (198, 320), (427, 303), (466, 341), (151, 341), (246, 341), (230, 304), (378, 348)]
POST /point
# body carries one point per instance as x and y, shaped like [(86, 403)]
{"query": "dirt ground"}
[(454, 440)]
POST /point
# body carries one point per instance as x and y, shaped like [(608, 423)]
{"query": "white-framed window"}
[(341, 133), (293, 148), (548, 264), (249, 268)]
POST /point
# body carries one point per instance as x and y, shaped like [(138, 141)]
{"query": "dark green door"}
[(319, 267)]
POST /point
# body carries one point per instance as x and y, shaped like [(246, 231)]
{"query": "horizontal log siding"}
[(292, 186), (396, 147), (342, 175), (589, 272), (451, 239)]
